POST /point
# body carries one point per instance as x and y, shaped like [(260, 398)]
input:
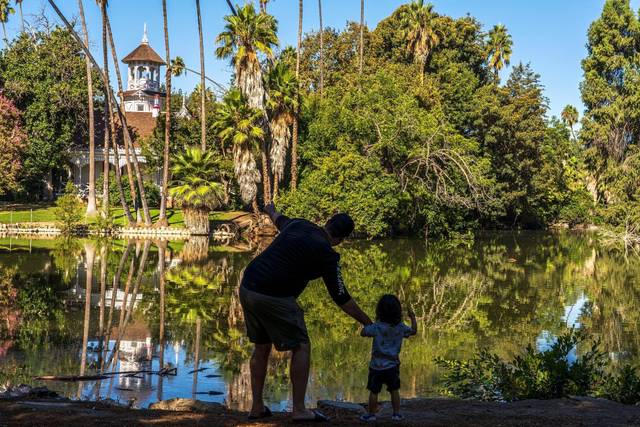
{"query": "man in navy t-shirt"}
[(272, 282)]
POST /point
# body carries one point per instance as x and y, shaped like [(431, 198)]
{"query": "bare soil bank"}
[(418, 412)]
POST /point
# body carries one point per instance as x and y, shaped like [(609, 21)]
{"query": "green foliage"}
[(535, 374), (44, 74), (152, 192), (194, 183), (69, 210), (623, 387), (347, 182), (13, 142)]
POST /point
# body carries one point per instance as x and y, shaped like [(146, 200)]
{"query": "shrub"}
[(152, 192), (351, 183), (623, 387), (535, 374), (69, 210)]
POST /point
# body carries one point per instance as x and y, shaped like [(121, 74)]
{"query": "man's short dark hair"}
[(340, 226)]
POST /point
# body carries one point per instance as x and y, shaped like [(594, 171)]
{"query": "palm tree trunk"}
[(361, 36), (294, 143), (21, 15), (91, 202), (90, 256), (276, 188), (162, 219), (203, 101), (127, 142), (107, 136), (109, 112), (121, 116), (321, 49), (266, 179), (4, 31)]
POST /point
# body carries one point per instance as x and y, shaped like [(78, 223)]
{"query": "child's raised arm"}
[(414, 323)]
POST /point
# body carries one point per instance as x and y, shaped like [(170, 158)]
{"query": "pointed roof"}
[(144, 52)]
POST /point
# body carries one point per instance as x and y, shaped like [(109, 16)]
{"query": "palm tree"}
[(361, 36), (321, 49), (110, 128), (417, 21), (282, 104), (263, 6), (570, 117), (195, 188), (129, 152), (499, 45), (245, 36), (203, 110), (5, 11), (105, 149), (162, 218), (19, 3), (91, 200), (239, 124), (294, 143)]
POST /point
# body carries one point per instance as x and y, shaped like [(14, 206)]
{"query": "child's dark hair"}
[(389, 310)]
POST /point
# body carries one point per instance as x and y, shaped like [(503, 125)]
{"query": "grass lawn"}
[(13, 213)]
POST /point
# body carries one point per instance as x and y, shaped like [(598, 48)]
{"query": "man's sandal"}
[(266, 413)]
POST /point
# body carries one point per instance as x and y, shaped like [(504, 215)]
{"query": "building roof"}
[(143, 53), (143, 124), (146, 91)]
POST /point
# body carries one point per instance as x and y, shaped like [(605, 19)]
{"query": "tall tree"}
[(418, 26), (321, 49), (129, 151), (162, 218), (499, 45), (361, 36), (5, 11), (107, 135), (13, 141), (91, 199), (110, 128), (570, 117), (282, 104), (203, 99), (296, 122), (240, 125), (609, 90), (245, 36)]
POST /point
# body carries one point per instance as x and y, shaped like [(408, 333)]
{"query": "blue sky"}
[(550, 34)]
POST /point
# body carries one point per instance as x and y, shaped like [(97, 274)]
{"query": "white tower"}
[(143, 79)]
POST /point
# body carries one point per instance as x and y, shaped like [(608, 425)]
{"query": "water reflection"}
[(80, 307)]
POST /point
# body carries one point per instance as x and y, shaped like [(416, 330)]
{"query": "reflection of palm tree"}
[(90, 252)]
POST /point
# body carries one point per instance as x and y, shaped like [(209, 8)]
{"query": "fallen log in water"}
[(71, 378), (105, 375)]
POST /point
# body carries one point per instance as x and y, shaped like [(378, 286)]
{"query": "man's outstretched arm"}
[(278, 219), (353, 309)]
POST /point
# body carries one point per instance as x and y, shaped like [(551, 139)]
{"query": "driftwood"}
[(105, 375), (71, 378)]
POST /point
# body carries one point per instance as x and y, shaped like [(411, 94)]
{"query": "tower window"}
[(140, 107)]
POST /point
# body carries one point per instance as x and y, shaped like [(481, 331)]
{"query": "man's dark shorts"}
[(389, 377), (279, 321)]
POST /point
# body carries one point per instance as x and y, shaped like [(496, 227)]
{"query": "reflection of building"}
[(142, 105), (135, 345)]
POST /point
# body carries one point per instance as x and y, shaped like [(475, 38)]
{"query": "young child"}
[(388, 332)]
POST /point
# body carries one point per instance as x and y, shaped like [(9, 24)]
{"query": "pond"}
[(79, 307)]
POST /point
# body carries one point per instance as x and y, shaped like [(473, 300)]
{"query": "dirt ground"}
[(418, 412)]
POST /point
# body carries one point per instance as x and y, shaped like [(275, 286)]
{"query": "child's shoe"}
[(397, 417), (368, 418)]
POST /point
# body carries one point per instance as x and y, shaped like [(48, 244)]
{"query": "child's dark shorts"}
[(389, 377)]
